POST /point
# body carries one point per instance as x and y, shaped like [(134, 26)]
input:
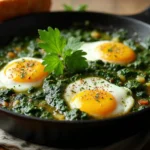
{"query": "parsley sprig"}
[(61, 54), (82, 7)]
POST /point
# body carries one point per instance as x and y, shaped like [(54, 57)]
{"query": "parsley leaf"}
[(76, 61), (82, 7), (68, 7), (61, 53), (73, 44), (53, 63), (52, 41)]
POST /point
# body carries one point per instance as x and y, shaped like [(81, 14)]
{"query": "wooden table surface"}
[(111, 6)]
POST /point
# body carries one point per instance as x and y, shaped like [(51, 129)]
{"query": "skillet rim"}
[(128, 18), (129, 115), (13, 114)]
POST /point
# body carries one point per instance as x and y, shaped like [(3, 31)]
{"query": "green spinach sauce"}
[(47, 102)]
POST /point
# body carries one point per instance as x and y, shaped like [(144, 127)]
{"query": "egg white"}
[(5, 82), (90, 49), (122, 95)]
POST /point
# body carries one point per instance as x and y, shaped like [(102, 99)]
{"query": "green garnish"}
[(97, 96), (82, 7), (61, 54)]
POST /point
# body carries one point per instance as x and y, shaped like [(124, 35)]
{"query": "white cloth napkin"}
[(136, 142), (11, 143)]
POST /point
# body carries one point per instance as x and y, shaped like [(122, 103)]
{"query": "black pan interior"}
[(29, 25), (72, 134)]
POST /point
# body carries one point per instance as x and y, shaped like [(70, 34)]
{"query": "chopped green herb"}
[(60, 53)]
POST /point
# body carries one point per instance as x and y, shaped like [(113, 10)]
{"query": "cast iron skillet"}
[(81, 133)]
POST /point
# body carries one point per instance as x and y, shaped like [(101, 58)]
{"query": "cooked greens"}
[(66, 63)]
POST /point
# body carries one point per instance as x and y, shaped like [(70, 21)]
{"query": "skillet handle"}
[(143, 16)]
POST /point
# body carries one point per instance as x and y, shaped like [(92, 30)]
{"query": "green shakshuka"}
[(75, 74)]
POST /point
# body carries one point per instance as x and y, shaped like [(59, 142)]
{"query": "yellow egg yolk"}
[(25, 71), (115, 52), (97, 103)]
